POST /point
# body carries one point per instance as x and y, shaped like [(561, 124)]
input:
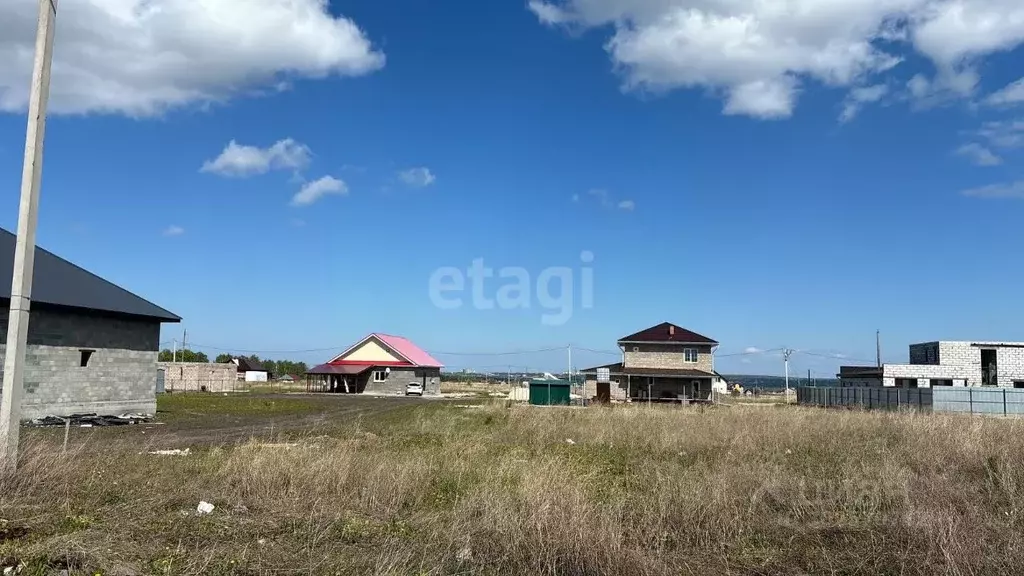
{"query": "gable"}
[(370, 351), (668, 333)]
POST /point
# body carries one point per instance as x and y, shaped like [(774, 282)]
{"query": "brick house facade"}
[(664, 362)]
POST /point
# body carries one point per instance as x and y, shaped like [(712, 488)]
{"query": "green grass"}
[(171, 407), (432, 488)]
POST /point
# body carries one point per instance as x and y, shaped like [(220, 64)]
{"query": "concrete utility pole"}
[(24, 252), (878, 347), (786, 353)]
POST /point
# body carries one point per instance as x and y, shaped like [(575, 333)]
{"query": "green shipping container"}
[(549, 392)]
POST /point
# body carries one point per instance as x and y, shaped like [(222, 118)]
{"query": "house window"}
[(84, 360), (690, 355), (940, 382), (379, 375)]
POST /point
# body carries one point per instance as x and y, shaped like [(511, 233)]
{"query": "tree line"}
[(276, 367)]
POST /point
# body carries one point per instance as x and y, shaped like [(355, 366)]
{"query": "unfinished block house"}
[(663, 362), (92, 345), (945, 363)]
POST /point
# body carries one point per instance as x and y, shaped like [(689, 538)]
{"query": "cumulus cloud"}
[(317, 189), (1011, 94), (627, 205), (756, 54), (417, 177), (995, 191), (174, 231), (142, 57), (978, 155), (240, 161)]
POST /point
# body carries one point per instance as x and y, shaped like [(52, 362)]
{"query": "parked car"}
[(414, 389)]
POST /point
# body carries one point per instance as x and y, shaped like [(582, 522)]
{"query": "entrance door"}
[(604, 392)]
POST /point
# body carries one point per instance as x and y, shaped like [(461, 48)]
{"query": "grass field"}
[(354, 485)]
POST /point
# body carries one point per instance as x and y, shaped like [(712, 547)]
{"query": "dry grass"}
[(435, 489)]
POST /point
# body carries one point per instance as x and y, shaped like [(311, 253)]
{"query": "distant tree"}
[(166, 355), (223, 358)]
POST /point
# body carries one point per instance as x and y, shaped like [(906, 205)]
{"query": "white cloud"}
[(239, 160), (174, 231), (1003, 133), (858, 97), (753, 350), (313, 191), (1006, 190), (601, 196), (757, 54), (1011, 94), (417, 177), (627, 205), (978, 154), (548, 13), (142, 57)]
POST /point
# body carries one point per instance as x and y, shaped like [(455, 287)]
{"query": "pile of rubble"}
[(90, 420)]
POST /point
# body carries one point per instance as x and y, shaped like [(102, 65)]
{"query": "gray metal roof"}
[(59, 282)]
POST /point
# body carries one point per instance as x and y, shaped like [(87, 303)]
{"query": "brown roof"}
[(618, 370), (668, 332)]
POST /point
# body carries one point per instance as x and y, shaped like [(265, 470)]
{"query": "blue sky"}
[(765, 175)]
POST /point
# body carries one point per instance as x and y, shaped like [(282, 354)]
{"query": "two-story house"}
[(661, 362), (946, 364)]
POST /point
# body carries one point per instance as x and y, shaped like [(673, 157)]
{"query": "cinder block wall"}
[(201, 376), (399, 378), (617, 388), (666, 356), (120, 375)]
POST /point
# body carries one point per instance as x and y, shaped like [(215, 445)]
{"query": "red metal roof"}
[(410, 351), (668, 333), (336, 369), (403, 347)]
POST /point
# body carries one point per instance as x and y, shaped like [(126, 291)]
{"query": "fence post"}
[(970, 400), (1004, 401)]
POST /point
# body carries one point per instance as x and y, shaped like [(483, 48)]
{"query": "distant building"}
[(945, 363), (250, 371), (92, 345), (377, 364), (662, 362), (198, 377)]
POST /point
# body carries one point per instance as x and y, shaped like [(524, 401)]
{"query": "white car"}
[(414, 389)]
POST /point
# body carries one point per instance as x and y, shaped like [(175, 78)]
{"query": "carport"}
[(343, 379)]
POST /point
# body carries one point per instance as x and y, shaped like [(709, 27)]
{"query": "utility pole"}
[(174, 349), (184, 341), (786, 353), (878, 347), (24, 252)]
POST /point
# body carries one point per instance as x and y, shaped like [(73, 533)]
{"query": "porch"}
[(338, 379), (649, 385)]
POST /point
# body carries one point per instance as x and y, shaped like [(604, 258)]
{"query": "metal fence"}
[(999, 401)]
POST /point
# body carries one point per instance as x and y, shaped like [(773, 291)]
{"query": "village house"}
[(663, 362), (250, 371), (377, 364), (946, 363), (92, 345)]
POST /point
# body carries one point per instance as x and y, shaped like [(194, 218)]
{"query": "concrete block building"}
[(200, 377), (946, 363), (377, 364), (92, 345), (663, 362)]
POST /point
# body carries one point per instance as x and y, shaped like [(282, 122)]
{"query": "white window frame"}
[(379, 376), (686, 355)]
